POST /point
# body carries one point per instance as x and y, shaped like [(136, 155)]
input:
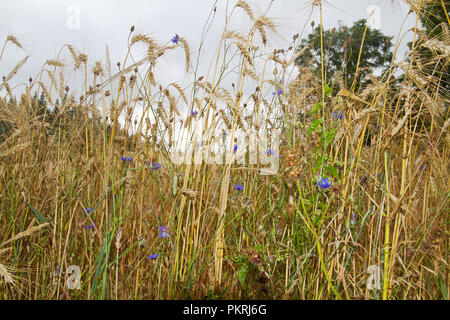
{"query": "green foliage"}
[(341, 51), (433, 18), (242, 275), (41, 105), (38, 215)]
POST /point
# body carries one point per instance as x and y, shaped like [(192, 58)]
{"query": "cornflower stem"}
[(310, 226)]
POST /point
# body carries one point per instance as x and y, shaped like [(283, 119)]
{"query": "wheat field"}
[(92, 205)]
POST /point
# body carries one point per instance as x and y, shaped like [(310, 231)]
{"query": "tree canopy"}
[(341, 51)]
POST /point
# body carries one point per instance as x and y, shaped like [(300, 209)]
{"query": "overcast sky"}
[(44, 26)]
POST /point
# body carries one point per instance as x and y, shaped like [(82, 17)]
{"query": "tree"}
[(41, 104), (434, 18), (341, 50)]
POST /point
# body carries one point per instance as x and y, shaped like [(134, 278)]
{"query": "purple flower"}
[(247, 203), (156, 166), (87, 211), (353, 219), (239, 187), (129, 159), (89, 227), (175, 39), (235, 147), (270, 152), (115, 197), (153, 256), (194, 113), (278, 92), (153, 166), (338, 115), (324, 183), (163, 232)]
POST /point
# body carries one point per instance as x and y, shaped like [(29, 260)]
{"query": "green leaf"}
[(327, 138), (328, 91), (314, 125), (242, 275), (239, 259), (100, 265), (316, 107), (332, 170), (319, 162), (36, 213), (443, 285), (339, 163)]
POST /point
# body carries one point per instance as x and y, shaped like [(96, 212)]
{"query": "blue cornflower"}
[(153, 166), (239, 187), (89, 227), (235, 147), (163, 232), (156, 166), (278, 92), (174, 39), (87, 211), (247, 203), (353, 219), (194, 113), (338, 115), (153, 256), (324, 183), (270, 152), (129, 159)]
